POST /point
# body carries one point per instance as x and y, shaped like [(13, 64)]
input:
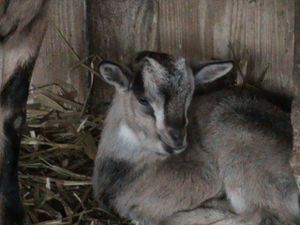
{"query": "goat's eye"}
[(143, 101)]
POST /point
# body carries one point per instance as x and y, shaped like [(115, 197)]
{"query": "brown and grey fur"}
[(155, 167), (22, 27)]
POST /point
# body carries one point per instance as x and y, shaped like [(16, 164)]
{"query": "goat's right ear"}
[(211, 72), (116, 75)]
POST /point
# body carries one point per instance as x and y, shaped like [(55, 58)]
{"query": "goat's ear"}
[(116, 75), (211, 72)]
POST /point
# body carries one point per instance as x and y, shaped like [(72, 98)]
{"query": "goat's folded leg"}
[(218, 216), (22, 27), (200, 216)]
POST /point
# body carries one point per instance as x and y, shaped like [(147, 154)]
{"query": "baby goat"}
[(22, 28), (155, 167)]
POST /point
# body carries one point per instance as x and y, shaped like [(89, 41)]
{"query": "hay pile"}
[(56, 160)]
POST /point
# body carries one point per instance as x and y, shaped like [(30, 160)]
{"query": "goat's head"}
[(162, 87)]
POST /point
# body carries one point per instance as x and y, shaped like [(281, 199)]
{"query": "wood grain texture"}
[(119, 29), (297, 49), (197, 29), (56, 61), (202, 29), (295, 115)]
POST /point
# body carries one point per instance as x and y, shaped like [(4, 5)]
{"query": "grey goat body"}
[(236, 145)]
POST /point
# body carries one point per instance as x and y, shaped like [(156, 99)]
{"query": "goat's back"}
[(252, 142)]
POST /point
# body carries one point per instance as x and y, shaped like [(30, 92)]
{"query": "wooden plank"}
[(56, 61), (297, 49), (295, 116), (202, 29), (119, 29)]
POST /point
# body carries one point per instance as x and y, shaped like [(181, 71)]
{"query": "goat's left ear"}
[(211, 72), (116, 75)]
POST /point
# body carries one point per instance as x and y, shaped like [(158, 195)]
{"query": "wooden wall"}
[(203, 29), (56, 62), (119, 29), (295, 115), (197, 29)]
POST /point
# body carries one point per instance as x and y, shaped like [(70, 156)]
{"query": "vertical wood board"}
[(56, 62), (202, 29), (118, 30)]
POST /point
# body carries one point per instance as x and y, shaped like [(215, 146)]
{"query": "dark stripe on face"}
[(177, 123), (167, 95), (162, 58), (138, 85), (174, 113), (139, 92)]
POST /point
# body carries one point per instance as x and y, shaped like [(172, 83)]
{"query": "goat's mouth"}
[(173, 150)]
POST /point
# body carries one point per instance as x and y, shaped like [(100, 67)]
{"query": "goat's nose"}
[(177, 136)]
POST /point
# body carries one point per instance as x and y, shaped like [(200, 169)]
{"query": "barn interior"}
[(68, 100)]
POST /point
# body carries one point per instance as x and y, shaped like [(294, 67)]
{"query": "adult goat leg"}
[(22, 27)]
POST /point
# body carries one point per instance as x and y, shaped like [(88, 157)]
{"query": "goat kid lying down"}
[(167, 155)]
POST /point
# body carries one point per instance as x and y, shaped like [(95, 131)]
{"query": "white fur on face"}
[(160, 117), (133, 143), (128, 136)]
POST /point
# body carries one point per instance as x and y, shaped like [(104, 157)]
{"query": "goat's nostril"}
[(178, 137)]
